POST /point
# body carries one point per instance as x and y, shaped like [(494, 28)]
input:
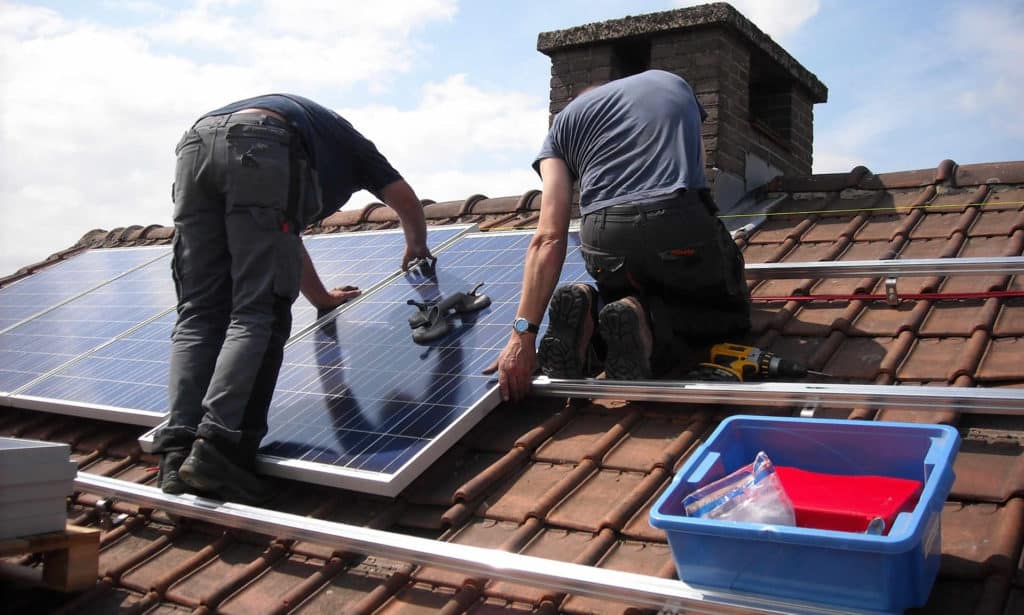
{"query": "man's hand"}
[(515, 366), (414, 252), (335, 297)]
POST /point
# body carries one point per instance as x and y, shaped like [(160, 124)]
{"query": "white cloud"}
[(452, 123), (777, 18), (989, 35), (90, 113)]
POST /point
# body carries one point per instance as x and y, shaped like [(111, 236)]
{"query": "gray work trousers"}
[(678, 259), (237, 265)]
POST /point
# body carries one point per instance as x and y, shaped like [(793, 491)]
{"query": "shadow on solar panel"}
[(360, 405)]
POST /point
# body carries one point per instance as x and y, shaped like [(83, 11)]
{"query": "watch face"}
[(521, 325)]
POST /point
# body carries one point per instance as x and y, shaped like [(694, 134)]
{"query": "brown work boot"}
[(627, 333), (565, 348)]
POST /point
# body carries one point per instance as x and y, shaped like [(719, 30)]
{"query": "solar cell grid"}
[(128, 374), (42, 344), (360, 405), (52, 285)]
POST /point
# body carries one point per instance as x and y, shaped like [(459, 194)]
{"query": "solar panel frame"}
[(407, 466), (22, 397)]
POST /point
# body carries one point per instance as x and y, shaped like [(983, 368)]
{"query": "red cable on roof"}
[(910, 296)]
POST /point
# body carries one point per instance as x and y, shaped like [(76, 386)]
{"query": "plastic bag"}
[(753, 494)]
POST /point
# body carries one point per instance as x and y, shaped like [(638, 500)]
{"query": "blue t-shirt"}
[(345, 161), (630, 140)]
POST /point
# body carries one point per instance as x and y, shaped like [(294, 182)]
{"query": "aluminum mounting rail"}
[(788, 394), (886, 268), (635, 589)]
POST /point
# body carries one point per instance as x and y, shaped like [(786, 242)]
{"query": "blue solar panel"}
[(360, 405), (128, 377), (62, 281), (129, 374), (44, 343), (358, 259)]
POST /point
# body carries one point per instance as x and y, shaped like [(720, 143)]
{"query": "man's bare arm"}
[(399, 196), (544, 258), (313, 289)]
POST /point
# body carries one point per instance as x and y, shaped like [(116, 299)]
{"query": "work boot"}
[(564, 350), (625, 330), (167, 477), (209, 470)]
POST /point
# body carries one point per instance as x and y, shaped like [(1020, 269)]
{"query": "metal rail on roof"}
[(888, 268), (789, 394), (636, 589)]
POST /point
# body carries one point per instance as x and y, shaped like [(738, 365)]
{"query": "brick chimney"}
[(760, 101)]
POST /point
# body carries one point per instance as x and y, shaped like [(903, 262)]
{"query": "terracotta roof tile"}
[(639, 526), (1010, 321), (487, 533), (517, 498), (859, 358), (981, 539), (948, 319), (183, 553), (655, 441), (555, 544), (990, 172), (578, 439), (989, 466), (587, 506), (352, 586), (628, 556), (1002, 360)]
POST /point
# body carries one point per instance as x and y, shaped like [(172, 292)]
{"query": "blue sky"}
[(94, 95)]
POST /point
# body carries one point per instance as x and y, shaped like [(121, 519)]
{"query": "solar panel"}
[(359, 405), (126, 379), (49, 340), (55, 284)]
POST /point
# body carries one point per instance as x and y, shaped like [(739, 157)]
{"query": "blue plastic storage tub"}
[(887, 573)]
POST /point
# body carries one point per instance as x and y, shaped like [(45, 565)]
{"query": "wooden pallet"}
[(70, 557)]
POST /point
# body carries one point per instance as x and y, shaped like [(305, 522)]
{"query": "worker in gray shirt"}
[(249, 177), (665, 267)]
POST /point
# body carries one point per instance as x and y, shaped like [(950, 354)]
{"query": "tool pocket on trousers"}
[(176, 264), (608, 270), (257, 167), (692, 266), (188, 152), (288, 266)]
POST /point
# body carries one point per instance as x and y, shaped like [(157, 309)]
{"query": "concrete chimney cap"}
[(718, 13)]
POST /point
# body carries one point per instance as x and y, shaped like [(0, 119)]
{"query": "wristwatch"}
[(521, 325)]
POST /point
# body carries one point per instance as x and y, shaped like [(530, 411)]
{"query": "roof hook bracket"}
[(891, 296)]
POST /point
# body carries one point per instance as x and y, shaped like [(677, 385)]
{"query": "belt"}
[(678, 200)]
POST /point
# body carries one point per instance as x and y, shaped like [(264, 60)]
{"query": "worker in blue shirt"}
[(249, 177), (665, 267)]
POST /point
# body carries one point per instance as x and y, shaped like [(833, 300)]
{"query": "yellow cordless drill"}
[(737, 363)]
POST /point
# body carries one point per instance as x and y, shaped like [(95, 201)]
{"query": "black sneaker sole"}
[(212, 472), (627, 358), (558, 349)]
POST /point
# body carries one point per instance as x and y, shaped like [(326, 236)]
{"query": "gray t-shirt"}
[(630, 140)]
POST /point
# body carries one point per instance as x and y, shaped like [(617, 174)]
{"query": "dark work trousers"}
[(237, 265), (678, 259)]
